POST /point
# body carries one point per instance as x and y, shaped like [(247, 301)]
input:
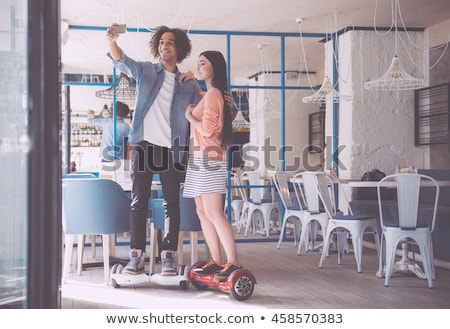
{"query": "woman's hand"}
[(189, 110), (192, 121)]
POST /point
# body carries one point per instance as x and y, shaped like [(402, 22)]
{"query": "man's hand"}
[(228, 99), (111, 33), (112, 36), (183, 77)]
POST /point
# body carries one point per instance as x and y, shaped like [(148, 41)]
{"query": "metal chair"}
[(237, 202), (92, 206), (92, 237), (340, 223), (292, 212), (405, 226), (314, 214), (189, 222), (258, 201)]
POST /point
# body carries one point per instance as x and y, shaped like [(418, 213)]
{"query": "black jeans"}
[(146, 160)]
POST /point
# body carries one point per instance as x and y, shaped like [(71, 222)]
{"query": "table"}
[(359, 183), (405, 263)]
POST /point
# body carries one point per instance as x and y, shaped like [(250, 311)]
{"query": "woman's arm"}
[(209, 123), (193, 121)]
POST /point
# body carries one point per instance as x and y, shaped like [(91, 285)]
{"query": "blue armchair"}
[(92, 206)]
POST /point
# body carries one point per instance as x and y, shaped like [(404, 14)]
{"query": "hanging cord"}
[(445, 46), (302, 45), (336, 52), (265, 70), (412, 42), (194, 11), (396, 11), (137, 10), (375, 19), (333, 52)]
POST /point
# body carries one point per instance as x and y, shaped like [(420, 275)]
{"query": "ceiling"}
[(85, 49)]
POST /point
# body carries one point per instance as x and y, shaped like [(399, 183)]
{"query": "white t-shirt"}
[(157, 121)]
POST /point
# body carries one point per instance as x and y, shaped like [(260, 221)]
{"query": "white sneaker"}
[(136, 264), (169, 262)]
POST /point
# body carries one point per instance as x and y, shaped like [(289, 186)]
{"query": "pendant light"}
[(326, 92), (395, 77), (123, 89), (239, 123)]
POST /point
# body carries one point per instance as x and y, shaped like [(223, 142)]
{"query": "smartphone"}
[(121, 28)]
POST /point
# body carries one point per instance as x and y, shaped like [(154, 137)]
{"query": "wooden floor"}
[(284, 281)]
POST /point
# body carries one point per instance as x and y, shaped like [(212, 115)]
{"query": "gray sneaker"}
[(169, 262), (136, 264)]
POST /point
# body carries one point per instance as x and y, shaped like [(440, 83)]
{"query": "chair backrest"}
[(330, 193), (409, 187), (158, 213), (79, 175), (299, 191), (326, 191), (94, 206), (256, 193), (189, 220), (237, 191), (242, 180), (281, 181), (308, 187)]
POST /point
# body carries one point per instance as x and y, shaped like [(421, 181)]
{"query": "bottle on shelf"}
[(85, 135)]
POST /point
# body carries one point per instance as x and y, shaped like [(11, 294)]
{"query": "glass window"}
[(14, 145)]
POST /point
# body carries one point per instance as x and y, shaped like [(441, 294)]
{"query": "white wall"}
[(265, 121), (376, 129)]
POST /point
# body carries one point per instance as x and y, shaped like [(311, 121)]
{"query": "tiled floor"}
[(284, 280)]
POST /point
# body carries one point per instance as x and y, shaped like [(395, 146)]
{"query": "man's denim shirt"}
[(149, 79)]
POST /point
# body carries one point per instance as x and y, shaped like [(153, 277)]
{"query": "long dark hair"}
[(182, 42), (220, 82)]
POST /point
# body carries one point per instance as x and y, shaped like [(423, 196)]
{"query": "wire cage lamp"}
[(123, 89), (395, 78), (326, 93), (240, 123)]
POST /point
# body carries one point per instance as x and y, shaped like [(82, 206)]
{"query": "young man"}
[(111, 148), (159, 137)]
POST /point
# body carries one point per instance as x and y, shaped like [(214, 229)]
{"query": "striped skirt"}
[(205, 176)]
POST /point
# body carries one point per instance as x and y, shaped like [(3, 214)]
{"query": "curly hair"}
[(182, 42)]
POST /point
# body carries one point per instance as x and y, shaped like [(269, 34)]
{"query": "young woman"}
[(210, 123)]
